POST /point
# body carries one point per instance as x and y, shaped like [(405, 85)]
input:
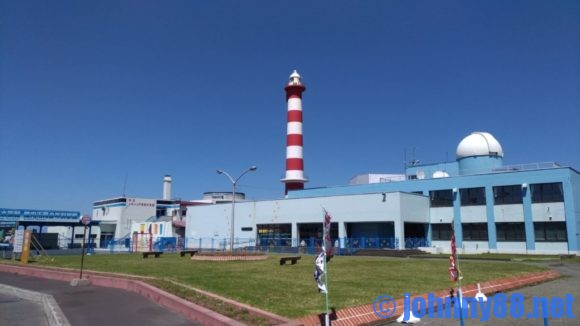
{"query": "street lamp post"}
[(234, 184)]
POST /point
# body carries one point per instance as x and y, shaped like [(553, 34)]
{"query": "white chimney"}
[(167, 187)]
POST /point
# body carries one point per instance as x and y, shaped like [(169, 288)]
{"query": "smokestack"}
[(294, 178), (167, 187)]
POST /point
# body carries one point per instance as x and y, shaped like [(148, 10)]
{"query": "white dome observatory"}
[(479, 152)]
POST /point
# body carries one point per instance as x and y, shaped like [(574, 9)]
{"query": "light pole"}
[(234, 183)]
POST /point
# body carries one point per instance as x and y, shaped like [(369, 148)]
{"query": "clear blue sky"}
[(94, 91)]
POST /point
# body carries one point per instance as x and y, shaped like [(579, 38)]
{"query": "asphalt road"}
[(83, 305)]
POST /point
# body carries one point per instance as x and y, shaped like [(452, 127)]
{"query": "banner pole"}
[(325, 250), (460, 293), (326, 316)]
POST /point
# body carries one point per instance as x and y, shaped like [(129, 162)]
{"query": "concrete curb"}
[(52, 311), (174, 303)]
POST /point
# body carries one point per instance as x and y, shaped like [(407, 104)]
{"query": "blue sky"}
[(93, 93)]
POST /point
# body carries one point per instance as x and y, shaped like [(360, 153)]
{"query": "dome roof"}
[(479, 144)]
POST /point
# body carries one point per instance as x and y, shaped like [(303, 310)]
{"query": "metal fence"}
[(341, 246), (144, 242)]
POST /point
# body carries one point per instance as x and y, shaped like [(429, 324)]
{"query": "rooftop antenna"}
[(125, 183), (405, 161), (414, 162)]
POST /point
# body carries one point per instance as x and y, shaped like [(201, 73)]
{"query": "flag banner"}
[(327, 239), (319, 271), (453, 271)]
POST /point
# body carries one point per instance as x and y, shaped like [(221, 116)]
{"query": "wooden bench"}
[(185, 252), (294, 259), (156, 253)]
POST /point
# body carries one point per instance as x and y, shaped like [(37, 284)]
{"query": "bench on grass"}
[(294, 259), (156, 253), (185, 252)]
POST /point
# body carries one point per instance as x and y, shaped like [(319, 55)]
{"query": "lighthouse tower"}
[(294, 178)]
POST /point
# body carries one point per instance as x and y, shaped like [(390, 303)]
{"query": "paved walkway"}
[(85, 305)]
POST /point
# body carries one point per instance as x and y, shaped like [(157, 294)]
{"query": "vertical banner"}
[(327, 239), (453, 270), (18, 241), (26, 247)]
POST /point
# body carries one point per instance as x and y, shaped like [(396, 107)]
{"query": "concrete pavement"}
[(84, 306)]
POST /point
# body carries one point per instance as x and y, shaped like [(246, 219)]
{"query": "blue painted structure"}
[(533, 222)]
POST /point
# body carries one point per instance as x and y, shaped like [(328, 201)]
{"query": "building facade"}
[(117, 215), (530, 208)]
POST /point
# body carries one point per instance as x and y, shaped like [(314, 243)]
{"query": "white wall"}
[(475, 246), (509, 213), (511, 247), (214, 220), (135, 210), (413, 208), (442, 215), (542, 212), (551, 247), (473, 214)]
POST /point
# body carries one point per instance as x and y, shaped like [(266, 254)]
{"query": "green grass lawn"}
[(290, 290)]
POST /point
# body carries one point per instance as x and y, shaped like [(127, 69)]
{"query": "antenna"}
[(405, 161), (414, 162), (125, 183)]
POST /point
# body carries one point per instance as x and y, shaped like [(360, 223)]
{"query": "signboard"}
[(86, 220), (8, 214), (18, 241)]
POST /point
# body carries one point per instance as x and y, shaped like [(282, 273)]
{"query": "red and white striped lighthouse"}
[(294, 178)]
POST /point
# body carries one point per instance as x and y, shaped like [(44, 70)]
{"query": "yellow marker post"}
[(26, 247)]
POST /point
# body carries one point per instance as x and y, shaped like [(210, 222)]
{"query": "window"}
[(474, 231), (275, 234), (247, 228), (550, 231), (441, 231), (274, 230), (110, 201), (472, 196), (81, 236), (441, 198), (511, 231), (504, 195), (547, 192)]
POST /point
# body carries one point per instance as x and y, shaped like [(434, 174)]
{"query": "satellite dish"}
[(420, 175)]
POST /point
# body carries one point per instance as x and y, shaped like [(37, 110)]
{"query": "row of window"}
[(502, 195), (543, 232)]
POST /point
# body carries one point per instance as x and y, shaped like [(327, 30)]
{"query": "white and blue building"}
[(529, 208)]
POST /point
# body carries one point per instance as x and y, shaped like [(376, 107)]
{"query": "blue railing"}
[(341, 246)]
